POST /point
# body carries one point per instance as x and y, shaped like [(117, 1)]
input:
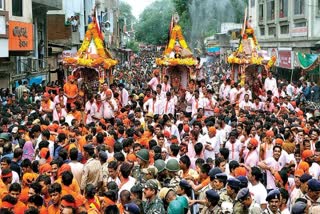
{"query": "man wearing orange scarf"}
[(70, 90), (47, 105), (55, 195)]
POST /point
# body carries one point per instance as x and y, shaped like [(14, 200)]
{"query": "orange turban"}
[(270, 133), (186, 128), (212, 130), (45, 168), (240, 171), (306, 154), (132, 157), (254, 142), (279, 141), (65, 167), (109, 141), (156, 71), (304, 166), (298, 172), (216, 110), (109, 92), (29, 178), (167, 134)]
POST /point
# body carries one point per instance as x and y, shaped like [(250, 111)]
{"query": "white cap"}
[(14, 130)]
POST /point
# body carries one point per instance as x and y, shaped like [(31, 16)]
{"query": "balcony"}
[(47, 4)]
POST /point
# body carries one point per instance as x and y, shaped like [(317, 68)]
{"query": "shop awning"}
[(308, 62)]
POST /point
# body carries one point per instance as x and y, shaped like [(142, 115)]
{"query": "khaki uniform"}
[(138, 175), (154, 207), (268, 211), (202, 194), (174, 183), (224, 197), (211, 210), (238, 208)]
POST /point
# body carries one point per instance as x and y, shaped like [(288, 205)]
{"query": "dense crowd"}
[(140, 146)]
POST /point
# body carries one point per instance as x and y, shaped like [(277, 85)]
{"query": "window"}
[(261, 12), (272, 31), (1, 4), (262, 31), (284, 29), (299, 7), (253, 3), (283, 10), (270, 10), (17, 7), (300, 24)]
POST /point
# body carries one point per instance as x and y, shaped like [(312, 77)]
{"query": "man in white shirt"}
[(168, 104), (256, 188), (210, 144), (75, 165), (96, 111), (246, 104), (155, 80), (234, 93), (87, 108), (123, 95), (161, 95), (271, 165), (234, 146), (270, 83), (61, 98), (245, 90), (109, 106), (152, 105), (166, 85)]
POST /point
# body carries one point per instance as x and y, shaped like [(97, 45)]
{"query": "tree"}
[(154, 23), (126, 16)]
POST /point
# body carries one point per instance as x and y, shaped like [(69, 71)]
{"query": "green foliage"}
[(126, 14), (134, 46), (154, 23)]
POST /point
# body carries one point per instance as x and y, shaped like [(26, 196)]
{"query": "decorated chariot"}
[(92, 66), (177, 61), (249, 64)]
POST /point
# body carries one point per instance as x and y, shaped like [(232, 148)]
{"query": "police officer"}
[(154, 204), (249, 205), (273, 199), (219, 183), (172, 168), (143, 163), (313, 192), (233, 187), (299, 207), (212, 200), (161, 167)]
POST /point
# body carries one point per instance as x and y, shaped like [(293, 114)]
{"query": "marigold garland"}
[(176, 61), (91, 33)]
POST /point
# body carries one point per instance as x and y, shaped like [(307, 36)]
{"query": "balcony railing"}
[(31, 65)]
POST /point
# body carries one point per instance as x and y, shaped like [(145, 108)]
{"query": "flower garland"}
[(176, 33), (102, 60), (176, 61)]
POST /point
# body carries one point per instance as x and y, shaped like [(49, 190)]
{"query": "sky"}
[(138, 6)]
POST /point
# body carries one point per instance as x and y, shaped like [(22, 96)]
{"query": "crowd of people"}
[(141, 146)]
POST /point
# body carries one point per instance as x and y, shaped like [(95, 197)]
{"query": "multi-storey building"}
[(23, 40), (286, 27)]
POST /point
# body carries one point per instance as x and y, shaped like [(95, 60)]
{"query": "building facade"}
[(286, 27), (23, 28)]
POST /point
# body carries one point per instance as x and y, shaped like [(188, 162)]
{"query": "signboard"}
[(299, 31), (20, 36), (213, 50), (285, 59)]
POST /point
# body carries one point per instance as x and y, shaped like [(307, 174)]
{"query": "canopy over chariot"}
[(249, 64), (92, 66), (177, 61)]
